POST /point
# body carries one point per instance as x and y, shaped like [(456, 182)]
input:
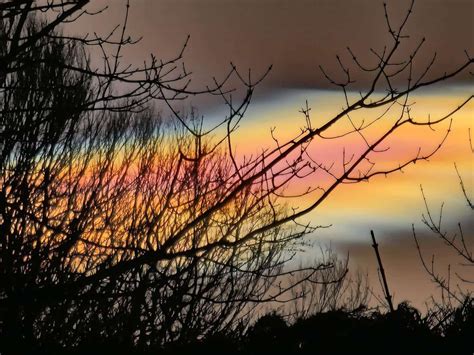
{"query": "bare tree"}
[(456, 286), (118, 224), (95, 188), (333, 289)]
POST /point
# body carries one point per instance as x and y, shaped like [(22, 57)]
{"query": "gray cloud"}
[(294, 36)]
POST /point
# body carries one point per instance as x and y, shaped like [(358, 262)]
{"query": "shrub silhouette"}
[(459, 331), (270, 334)]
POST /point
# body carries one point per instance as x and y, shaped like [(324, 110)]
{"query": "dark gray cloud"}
[(294, 36)]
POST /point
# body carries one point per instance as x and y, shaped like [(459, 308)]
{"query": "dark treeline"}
[(404, 331)]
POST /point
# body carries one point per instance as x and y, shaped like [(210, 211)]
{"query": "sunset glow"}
[(384, 201)]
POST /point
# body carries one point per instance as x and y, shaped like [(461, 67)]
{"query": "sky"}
[(295, 37)]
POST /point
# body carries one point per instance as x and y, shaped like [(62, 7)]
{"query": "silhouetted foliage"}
[(404, 331), (270, 334)]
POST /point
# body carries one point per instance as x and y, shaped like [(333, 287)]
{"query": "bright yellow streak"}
[(390, 201)]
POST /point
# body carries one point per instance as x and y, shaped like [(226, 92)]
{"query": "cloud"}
[(294, 36)]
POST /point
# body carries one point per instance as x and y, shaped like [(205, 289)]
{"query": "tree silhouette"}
[(451, 312), (328, 291), (119, 226)]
